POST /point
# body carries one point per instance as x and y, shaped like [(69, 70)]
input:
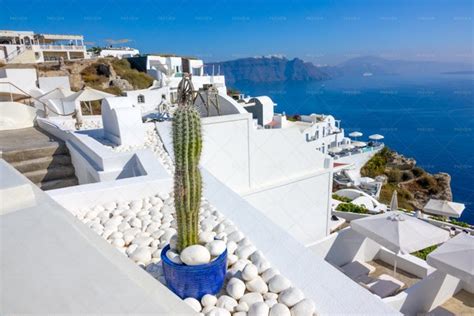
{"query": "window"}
[(141, 98)]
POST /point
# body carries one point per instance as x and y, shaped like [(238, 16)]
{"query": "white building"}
[(29, 47), (119, 52), (168, 70)]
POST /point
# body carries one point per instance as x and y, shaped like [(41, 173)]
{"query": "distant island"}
[(281, 69)]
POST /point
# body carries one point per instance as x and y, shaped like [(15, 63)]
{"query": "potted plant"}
[(189, 269)]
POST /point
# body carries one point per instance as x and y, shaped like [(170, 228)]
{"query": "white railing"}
[(60, 47)]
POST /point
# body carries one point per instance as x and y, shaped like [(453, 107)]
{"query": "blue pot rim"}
[(218, 260)]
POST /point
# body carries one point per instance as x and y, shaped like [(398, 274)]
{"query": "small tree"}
[(187, 144)]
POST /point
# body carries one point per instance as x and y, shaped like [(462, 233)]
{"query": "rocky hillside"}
[(267, 69), (108, 74), (414, 185)]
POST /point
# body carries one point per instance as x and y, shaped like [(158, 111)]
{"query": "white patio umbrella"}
[(355, 134), (444, 208), (400, 232), (455, 257), (347, 146), (359, 144), (376, 137), (335, 150), (394, 201)]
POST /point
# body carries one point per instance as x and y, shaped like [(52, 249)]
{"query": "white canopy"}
[(335, 150), (88, 94), (444, 208), (359, 144), (376, 137), (455, 257), (394, 201), (355, 134), (57, 93), (400, 232)]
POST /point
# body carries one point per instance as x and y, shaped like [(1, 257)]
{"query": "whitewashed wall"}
[(275, 170)]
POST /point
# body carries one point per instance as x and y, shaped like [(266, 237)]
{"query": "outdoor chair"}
[(356, 269), (385, 286)]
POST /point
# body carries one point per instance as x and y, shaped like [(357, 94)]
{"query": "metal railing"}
[(46, 107)]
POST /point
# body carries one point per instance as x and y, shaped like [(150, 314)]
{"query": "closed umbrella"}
[(455, 257), (400, 232), (376, 137), (394, 201), (444, 208)]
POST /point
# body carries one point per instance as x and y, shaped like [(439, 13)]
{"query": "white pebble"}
[(280, 310), (194, 303), (235, 288), (304, 308), (174, 257), (258, 309), (251, 298), (278, 283), (250, 272), (269, 273), (245, 251), (257, 285), (241, 307), (217, 311), (208, 300), (216, 247), (141, 255), (205, 237), (226, 302), (291, 296), (231, 247), (195, 255)]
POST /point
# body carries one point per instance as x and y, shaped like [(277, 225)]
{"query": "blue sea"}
[(428, 118)]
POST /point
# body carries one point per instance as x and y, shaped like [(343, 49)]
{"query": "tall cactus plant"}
[(187, 143)]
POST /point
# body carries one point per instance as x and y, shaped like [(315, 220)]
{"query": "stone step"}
[(42, 163), (57, 184), (20, 155), (55, 173)]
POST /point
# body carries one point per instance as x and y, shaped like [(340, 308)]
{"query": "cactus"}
[(187, 142)]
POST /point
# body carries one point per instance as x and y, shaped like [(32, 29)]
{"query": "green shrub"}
[(341, 198), (423, 253), (407, 175), (376, 165), (394, 176), (351, 208), (418, 172), (460, 223), (139, 80)]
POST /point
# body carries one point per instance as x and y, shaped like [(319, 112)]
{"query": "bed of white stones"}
[(152, 142), (141, 228), (88, 123)]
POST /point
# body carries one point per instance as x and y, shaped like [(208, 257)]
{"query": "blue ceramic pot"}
[(194, 281)]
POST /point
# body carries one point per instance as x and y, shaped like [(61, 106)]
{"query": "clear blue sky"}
[(324, 32)]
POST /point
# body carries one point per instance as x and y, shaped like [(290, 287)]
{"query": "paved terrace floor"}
[(385, 268), (25, 138), (460, 304)]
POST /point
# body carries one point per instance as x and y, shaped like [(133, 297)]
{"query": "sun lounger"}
[(385, 286), (356, 269)]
